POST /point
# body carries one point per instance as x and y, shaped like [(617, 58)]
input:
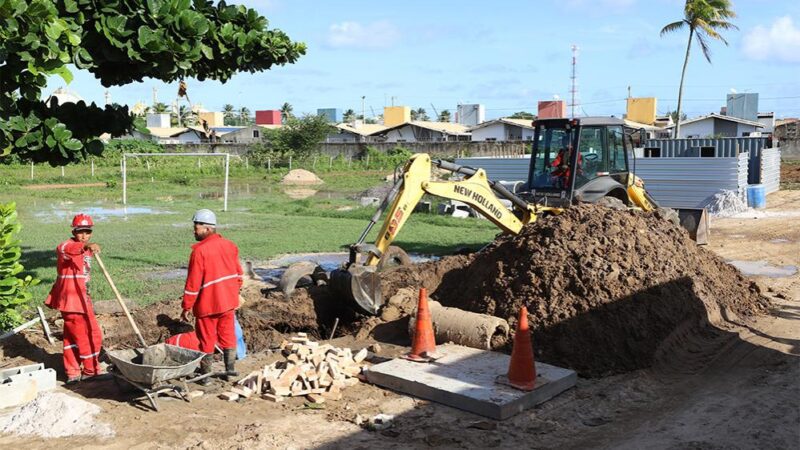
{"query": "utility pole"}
[(155, 96), (393, 97), (108, 97), (574, 89)]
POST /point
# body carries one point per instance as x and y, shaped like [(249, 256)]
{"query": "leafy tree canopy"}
[(523, 115), (118, 41)]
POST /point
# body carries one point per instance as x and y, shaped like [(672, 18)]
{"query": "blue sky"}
[(506, 55)]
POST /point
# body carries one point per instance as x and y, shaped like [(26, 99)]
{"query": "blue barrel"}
[(756, 196)]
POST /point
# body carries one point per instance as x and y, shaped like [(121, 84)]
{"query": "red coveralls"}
[(185, 340), (82, 335), (212, 291)]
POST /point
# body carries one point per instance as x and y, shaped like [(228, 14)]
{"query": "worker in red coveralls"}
[(212, 292), (82, 335)]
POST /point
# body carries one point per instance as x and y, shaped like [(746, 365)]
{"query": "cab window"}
[(592, 160), (616, 150)]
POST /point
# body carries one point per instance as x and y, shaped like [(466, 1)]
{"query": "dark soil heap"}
[(604, 288)]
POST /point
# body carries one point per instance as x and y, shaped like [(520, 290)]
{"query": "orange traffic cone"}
[(423, 346), (522, 369)]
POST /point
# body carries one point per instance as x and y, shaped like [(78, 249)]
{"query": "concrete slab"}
[(465, 378)]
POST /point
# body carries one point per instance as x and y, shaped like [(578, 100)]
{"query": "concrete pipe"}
[(464, 328)]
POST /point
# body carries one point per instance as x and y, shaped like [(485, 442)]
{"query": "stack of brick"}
[(317, 371)]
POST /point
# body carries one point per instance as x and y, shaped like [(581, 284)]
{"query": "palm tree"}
[(244, 116), (229, 116), (160, 108), (444, 116), (349, 115), (286, 111), (704, 18), (421, 114)]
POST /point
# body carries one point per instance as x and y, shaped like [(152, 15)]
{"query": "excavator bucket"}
[(695, 221), (360, 285)]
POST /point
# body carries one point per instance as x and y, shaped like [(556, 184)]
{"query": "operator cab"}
[(559, 175)]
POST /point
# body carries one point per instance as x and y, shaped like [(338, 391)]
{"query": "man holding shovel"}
[(212, 292), (82, 335)]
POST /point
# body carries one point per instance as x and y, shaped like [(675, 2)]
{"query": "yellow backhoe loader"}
[(579, 160)]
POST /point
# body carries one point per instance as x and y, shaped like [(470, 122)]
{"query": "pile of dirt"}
[(605, 289), (55, 415), (725, 204), (300, 176)]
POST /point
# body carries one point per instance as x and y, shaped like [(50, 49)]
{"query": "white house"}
[(717, 125), (354, 132), (182, 135), (503, 129), (423, 131)]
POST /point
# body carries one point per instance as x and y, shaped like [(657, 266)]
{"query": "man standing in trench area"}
[(70, 295), (212, 292)]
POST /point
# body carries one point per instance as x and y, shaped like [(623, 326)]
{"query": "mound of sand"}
[(725, 204), (301, 176), (55, 415), (605, 289)]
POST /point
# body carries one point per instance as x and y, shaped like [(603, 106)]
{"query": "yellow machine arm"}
[(474, 190)]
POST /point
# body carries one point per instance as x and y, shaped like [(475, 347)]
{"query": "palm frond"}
[(704, 47), (674, 26)]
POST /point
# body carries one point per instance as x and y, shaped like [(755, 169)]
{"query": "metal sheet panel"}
[(724, 147), (681, 182), (500, 169), (770, 169)]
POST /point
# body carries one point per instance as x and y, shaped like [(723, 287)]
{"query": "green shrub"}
[(14, 295)]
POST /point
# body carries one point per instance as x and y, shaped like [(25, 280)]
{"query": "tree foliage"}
[(704, 19), (301, 136), (523, 115), (444, 116), (118, 41), (14, 293)]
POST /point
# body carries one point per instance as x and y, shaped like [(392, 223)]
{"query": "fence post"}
[(367, 160), (31, 170), (246, 163), (330, 164), (147, 162), (290, 163), (92, 167), (314, 164), (227, 167), (269, 164), (62, 171), (198, 163), (124, 164)]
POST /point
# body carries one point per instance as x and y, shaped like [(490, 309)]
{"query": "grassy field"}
[(141, 248)]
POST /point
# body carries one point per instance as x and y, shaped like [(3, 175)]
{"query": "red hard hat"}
[(82, 221)]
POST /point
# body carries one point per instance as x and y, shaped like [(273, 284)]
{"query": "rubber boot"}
[(205, 367), (229, 354)]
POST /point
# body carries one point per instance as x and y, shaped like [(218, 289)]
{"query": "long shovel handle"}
[(119, 299)]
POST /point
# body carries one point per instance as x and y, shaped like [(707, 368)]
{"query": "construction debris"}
[(725, 204), (317, 371)]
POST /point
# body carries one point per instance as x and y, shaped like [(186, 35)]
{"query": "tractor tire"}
[(613, 203), (393, 257)]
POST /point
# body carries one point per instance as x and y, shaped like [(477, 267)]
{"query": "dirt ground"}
[(734, 388)]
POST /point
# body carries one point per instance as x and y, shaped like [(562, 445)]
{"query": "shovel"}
[(119, 299)]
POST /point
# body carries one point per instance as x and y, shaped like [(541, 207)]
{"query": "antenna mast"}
[(574, 89)]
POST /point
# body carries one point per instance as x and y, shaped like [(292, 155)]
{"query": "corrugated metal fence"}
[(676, 182), (770, 170), (722, 147)]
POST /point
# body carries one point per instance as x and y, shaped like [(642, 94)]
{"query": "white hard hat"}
[(205, 216)]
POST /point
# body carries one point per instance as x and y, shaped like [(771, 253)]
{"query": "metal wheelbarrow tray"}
[(151, 370)]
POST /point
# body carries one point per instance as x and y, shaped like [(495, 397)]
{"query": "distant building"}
[(214, 119), (396, 115), (61, 96), (268, 117), (242, 135), (768, 120), (504, 129), (470, 115), (332, 115), (743, 106), (552, 109), (158, 120), (170, 135), (423, 131), (641, 110), (356, 132), (715, 125)]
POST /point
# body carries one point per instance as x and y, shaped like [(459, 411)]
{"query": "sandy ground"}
[(736, 389)]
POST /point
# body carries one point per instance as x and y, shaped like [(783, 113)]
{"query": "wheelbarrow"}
[(156, 369)]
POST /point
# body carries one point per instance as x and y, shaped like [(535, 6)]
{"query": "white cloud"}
[(375, 35), (780, 42)]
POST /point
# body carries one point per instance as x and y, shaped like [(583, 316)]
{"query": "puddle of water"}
[(762, 268), (59, 213)]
